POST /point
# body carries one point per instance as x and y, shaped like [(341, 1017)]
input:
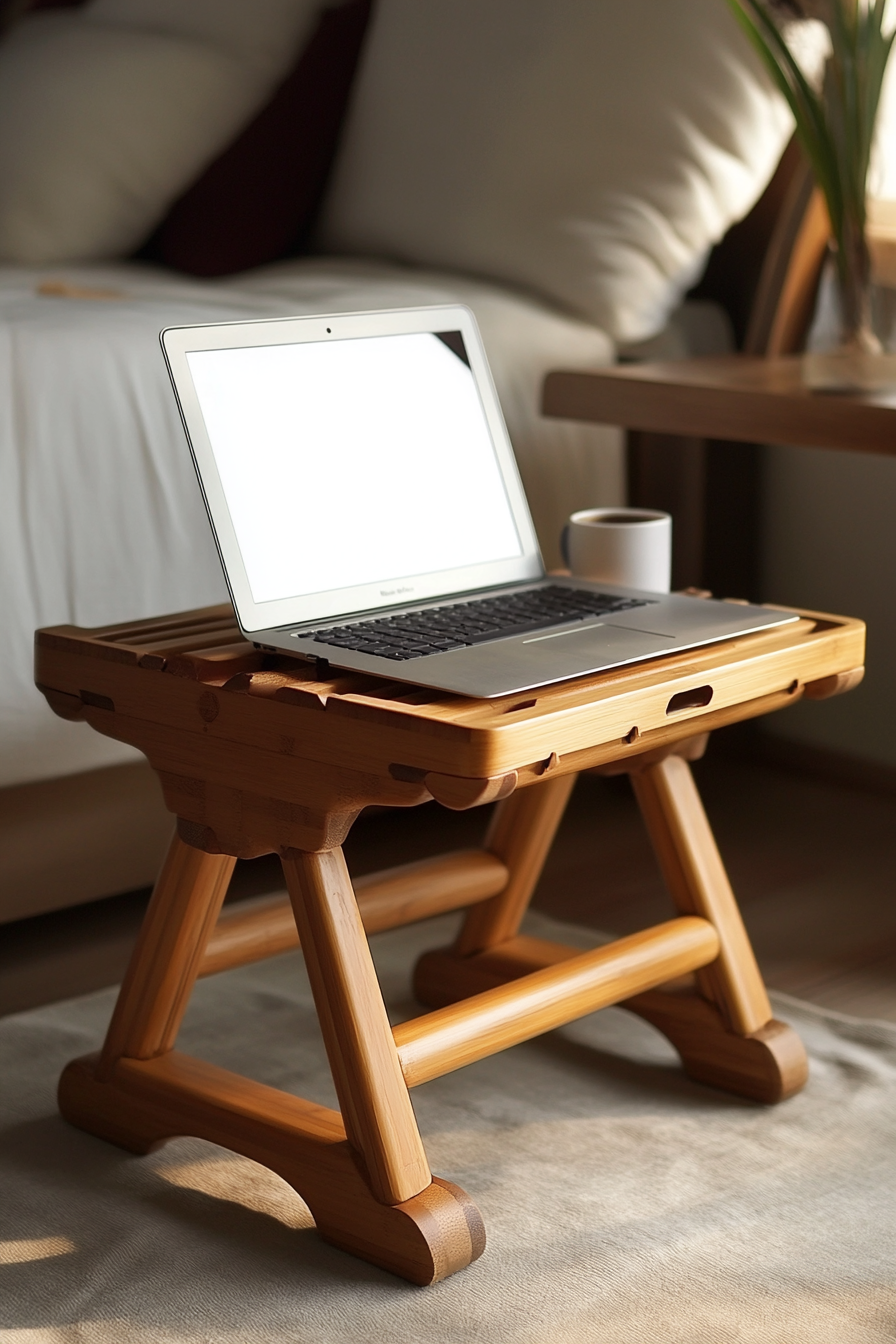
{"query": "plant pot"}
[(851, 358)]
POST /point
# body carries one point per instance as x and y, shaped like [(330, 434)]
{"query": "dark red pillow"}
[(256, 203), (13, 10)]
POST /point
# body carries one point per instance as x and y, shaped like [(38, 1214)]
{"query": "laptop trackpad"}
[(580, 633), (591, 646)]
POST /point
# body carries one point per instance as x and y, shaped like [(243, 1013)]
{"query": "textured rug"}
[(624, 1204)]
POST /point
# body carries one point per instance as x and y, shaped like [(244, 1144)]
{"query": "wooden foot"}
[(145, 1102), (767, 1065)]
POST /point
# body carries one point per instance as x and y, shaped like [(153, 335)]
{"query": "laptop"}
[(369, 515)]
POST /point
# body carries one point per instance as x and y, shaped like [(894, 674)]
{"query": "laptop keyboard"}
[(419, 633)]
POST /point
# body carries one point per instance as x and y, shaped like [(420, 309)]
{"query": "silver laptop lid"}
[(351, 462)]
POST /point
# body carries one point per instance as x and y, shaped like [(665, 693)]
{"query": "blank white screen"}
[(353, 462)]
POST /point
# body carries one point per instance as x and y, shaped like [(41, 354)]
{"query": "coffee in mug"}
[(629, 547)]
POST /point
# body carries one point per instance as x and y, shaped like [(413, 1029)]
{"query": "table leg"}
[(521, 834), (373, 1095), (695, 875), (164, 964), (726, 1034), (370, 1192), (376, 1106)]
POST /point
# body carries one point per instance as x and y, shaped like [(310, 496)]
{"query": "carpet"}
[(624, 1204)]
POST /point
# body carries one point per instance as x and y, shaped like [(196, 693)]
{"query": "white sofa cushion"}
[(108, 112), (589, 152)]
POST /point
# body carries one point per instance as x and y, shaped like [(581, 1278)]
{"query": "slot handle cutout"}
[(697, 698)]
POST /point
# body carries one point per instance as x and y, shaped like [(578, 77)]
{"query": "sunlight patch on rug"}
[(40, 1248)]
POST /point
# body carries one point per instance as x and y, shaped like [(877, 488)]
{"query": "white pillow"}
[(264, 33), (588, 150), (109, 112)]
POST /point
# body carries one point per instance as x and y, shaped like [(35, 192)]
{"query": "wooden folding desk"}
[(255, 755)]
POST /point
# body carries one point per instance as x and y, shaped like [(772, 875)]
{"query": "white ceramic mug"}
[(631, 547)]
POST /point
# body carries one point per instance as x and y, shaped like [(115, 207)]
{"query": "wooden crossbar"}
[(474, 1028), (767, 1065), (395, 896)]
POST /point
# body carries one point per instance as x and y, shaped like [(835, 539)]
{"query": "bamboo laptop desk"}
[(256, 756)]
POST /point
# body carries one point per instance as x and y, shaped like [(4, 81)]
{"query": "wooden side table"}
[(743, 398), (678, 407), (255, 756)]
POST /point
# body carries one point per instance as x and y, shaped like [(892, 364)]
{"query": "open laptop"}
[(369, 514)]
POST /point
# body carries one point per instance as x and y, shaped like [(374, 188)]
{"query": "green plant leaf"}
[(805, 104)]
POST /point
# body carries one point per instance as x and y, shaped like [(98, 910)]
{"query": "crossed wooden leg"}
[(722, 1025), (363, 1174)]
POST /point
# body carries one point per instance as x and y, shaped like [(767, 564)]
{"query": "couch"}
[(562, 166)]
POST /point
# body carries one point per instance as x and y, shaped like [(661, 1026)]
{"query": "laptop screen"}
[(358, 461)]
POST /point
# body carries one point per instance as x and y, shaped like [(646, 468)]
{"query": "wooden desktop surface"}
[(735, 397)]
